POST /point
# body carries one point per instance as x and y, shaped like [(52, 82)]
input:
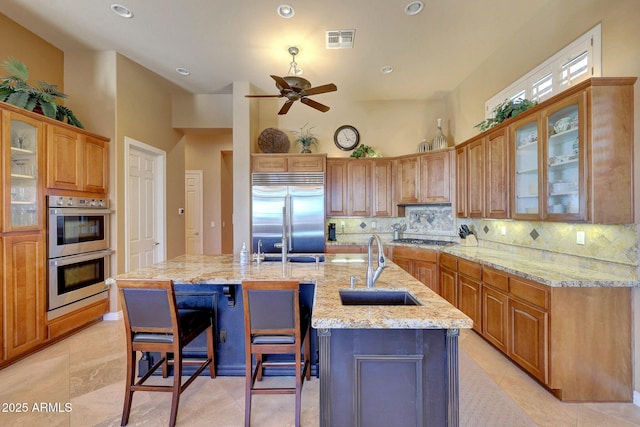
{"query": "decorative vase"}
[(439, 141)]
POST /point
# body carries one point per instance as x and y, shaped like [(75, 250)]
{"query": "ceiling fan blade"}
[(285, 107), (320, 89), (263, 96), (313, 104), (281, 82)]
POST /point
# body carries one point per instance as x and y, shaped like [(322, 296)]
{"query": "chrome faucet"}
[(371, 275), (258, 255)]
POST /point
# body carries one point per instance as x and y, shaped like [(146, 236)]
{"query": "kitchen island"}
[(374, 361)]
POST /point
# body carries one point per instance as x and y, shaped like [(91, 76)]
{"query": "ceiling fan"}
[(295, 88)]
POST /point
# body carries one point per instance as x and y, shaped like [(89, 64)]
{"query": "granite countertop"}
[(329, 277), (548, 272)]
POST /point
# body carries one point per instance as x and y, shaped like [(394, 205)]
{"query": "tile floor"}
[(80, 382)]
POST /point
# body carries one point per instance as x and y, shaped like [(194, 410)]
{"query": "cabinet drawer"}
[(529, 291), (470, 269), (270, 164), (305, 164), (495, 278), (449, 261), (429, 255)]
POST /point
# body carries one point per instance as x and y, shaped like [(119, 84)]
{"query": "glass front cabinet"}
[(564, 160), (572, 156), (528, 148), (22, 139)]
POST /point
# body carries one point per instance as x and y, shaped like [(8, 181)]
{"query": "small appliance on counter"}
[(332, 232)]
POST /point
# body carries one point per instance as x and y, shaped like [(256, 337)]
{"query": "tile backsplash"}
[(604, 244)]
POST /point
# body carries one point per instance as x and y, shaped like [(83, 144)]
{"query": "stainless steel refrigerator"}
[(290, 203)]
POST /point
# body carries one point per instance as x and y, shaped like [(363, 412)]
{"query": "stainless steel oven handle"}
[(79, 211), (71, 259)]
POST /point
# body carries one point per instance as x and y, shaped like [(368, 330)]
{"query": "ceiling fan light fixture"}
[(121, 10), (183, 71), (285, 11), (387, 69), (414, 8)]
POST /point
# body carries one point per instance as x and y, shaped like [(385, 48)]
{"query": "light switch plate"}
[(580, 237)]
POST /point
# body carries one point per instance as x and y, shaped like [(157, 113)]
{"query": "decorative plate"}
[(273, 140)]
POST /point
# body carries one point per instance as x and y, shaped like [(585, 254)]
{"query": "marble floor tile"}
[(87, 371)]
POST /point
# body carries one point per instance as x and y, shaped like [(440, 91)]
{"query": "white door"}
[(193, 212), (144, 205)]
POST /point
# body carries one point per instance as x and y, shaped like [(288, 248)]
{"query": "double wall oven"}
[(78, 253)]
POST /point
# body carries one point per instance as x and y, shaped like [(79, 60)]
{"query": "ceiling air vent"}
[(340, 39)]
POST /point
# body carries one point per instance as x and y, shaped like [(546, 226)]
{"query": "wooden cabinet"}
[(420, 263), (437, 177), (22, 144), (448, 278), (495, 285), (337, 185), (23, 288), (470, 159), (550, 332), (462, 208), (359, 188), (76, 162), (345, 249), (469, 287), (288, 163), (382, 187), (497, 175), (406, 177)]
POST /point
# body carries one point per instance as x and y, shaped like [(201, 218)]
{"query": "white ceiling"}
[(245, 40)]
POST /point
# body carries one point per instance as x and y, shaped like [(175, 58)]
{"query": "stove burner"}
[(421, 241)]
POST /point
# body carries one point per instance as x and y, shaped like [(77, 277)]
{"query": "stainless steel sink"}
[(294, 258), (377, 298)]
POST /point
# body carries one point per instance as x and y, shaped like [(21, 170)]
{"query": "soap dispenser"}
[(244, 254)]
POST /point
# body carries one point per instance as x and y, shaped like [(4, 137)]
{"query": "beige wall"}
[(143, 112), (44, 61), (392, 128), (202, 152)]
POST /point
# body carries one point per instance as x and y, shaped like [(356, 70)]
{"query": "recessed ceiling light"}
[(386, 69), (286, 10), (414, 8), (121, 10), (183, 71)]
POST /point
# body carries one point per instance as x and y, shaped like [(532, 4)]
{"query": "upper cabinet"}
[(407, 177), (574, 155), (22, 143), (75, 161), (359, 187), (569, 159), (288, 162), (437, 177)]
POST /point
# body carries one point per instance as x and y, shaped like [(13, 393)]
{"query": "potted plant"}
[(505, 110), (305, 138), (364, 151), (40, 98)]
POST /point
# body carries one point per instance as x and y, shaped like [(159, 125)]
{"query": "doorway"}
[(193, 232), (226, 201), (144, 208)]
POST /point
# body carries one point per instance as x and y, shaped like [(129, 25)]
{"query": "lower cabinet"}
[(579, 347), (528, 345), (420, 263), (24, 293)]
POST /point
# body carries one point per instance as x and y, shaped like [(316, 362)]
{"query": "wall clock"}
[(346, 137)]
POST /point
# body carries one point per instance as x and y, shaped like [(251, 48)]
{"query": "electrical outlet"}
[(374, 225), (503, 230), (580, 237)]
